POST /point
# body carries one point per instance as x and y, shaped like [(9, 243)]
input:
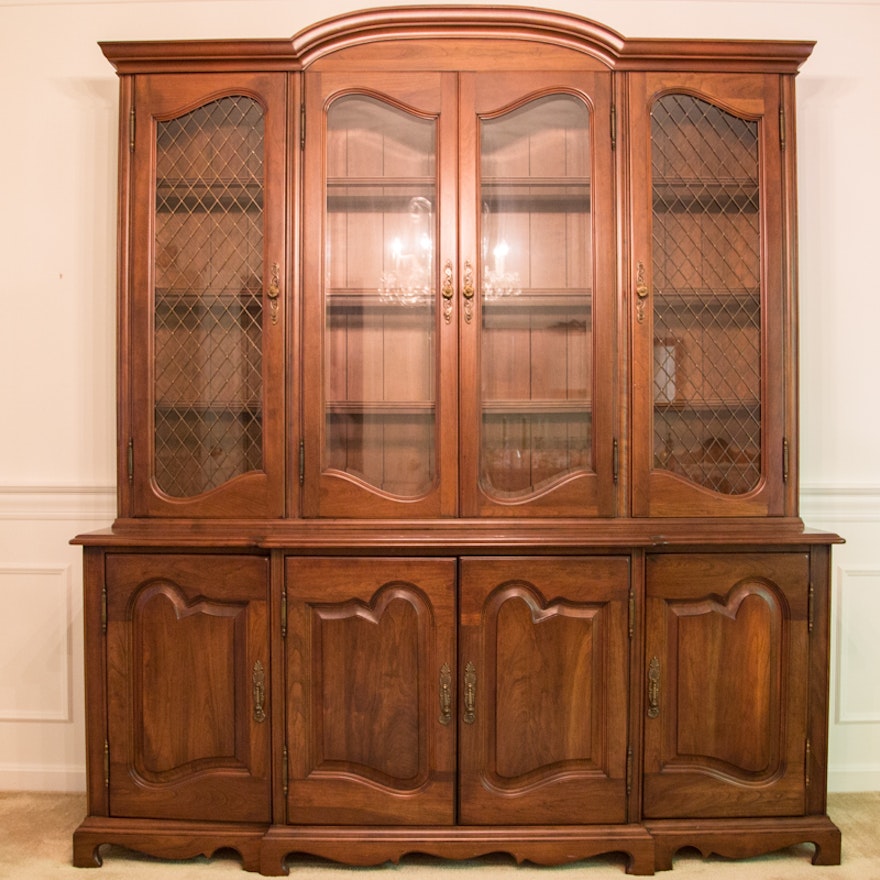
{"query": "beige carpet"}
[(35, 844)]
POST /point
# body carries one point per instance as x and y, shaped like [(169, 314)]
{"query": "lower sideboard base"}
[(746, 838), (647, 847), (542, 845), (166, 839)]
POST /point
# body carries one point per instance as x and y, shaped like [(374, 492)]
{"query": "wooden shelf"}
[(730, 195), (379, 408), (218, 195), (536, 408), (711, 405)]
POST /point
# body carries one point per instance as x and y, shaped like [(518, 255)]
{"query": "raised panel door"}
[(370, 671), (188, 671), (204, 433), (543, 679), (709, 296), (726, 685)]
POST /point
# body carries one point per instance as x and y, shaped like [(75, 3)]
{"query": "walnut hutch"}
[(458, 470)]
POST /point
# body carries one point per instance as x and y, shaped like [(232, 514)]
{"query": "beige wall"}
[(57, 265)]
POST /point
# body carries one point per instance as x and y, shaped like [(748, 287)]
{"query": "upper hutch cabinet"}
[(712, 417), (203, 338), (459, 287)]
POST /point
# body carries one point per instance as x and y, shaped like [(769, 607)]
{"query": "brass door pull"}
[(642, 292), (274, 291), (654, 687), (259, 679), (447, 291), (445, 694), (468, 291), (470, 693)]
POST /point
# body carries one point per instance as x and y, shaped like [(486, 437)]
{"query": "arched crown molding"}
[(478, 22), (397, 23)]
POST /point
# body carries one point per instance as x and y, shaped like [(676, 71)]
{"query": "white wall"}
[(57, 271)]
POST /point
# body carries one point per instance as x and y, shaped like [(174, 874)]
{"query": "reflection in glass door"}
[(536, 297), (380, 292)]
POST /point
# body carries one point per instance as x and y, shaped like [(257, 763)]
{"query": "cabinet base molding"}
[(738, 839), (648, 848), (541, 845), (166, 840)]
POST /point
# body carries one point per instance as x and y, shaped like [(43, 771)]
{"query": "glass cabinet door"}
[(537, 369), (707, 305), (376, 286), (205, 298)]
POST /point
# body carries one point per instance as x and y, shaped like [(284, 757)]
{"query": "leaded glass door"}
[(208, 297), (708, 299)]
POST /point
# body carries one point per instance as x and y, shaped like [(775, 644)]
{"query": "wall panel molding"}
[(858, 651), (840, 503), (843, 503), (35, 654), (75, 503)]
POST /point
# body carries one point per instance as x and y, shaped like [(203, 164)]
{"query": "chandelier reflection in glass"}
[(410, 280), (498, 280)]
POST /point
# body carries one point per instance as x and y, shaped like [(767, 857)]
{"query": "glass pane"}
[(536, 287), (707, 301), (380, 293), (208, 296)]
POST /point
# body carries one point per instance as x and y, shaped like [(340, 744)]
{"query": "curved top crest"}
[(406, 23)]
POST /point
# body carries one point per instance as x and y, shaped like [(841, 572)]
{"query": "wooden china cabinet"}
[(457, 470)]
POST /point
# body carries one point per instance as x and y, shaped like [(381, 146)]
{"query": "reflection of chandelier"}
[(497, 281), (410, 280)]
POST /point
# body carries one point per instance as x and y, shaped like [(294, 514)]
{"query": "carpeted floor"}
[(36, 829)]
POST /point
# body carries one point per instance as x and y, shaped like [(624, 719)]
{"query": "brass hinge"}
[(284, 770), (130, 459), (284, 615), (782, 128), (808, 759), (632, 612), (104, 610), (811, 607), (302, 462), (106, 764), (615, 460), (785, 459), (131, 124), (302, 125), (613, 127)]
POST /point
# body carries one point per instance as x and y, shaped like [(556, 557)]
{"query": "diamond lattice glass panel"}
[(208, 296), (707, 303), (536, 297)]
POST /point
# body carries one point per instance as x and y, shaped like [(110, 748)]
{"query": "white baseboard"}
[(854, 779), (23, 777)]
